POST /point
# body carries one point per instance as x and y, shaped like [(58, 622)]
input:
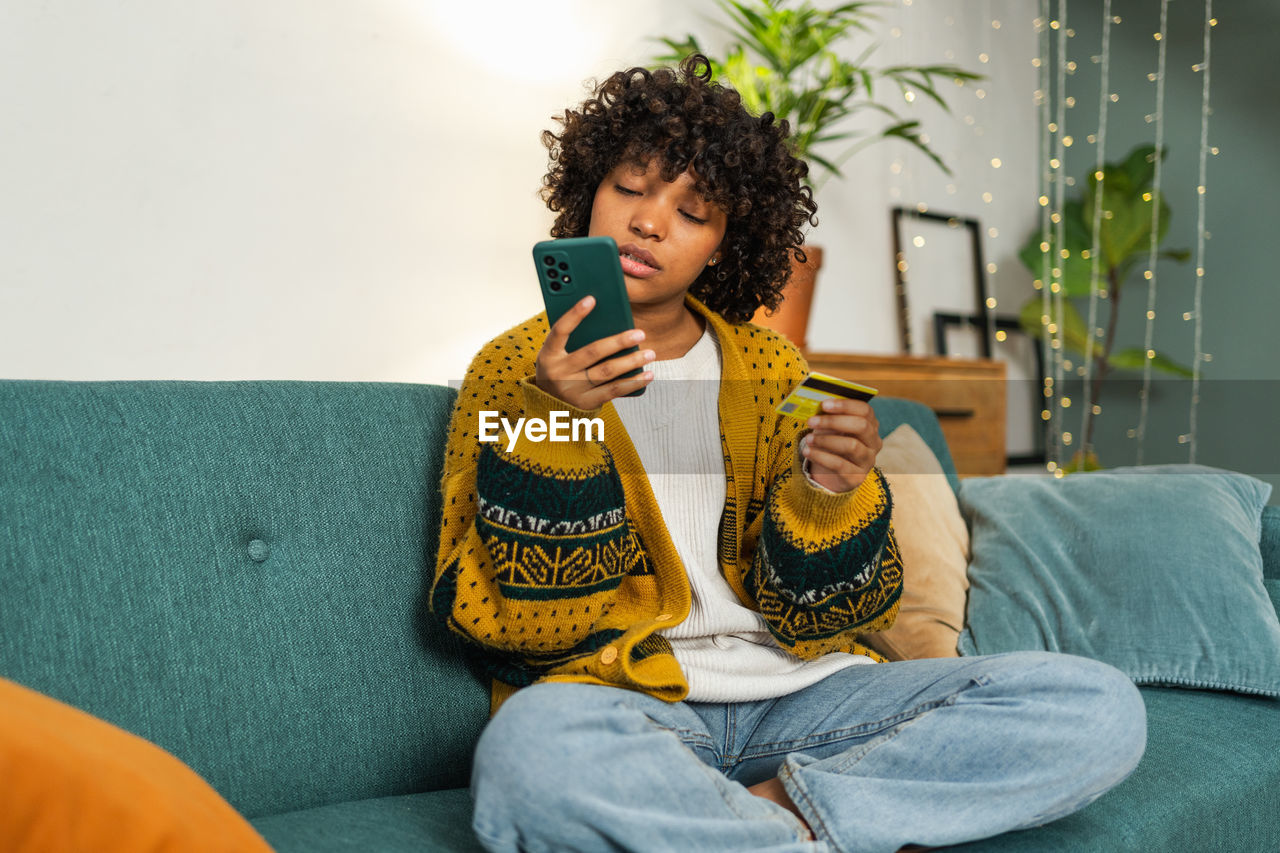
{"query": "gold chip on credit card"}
[(805, 399)]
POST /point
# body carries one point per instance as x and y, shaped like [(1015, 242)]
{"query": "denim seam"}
[(849, 759), (765, 750), (799, 793), (719, 781), (730, 737), (794, 785), (689, 737), (852, 759), (813, 813)]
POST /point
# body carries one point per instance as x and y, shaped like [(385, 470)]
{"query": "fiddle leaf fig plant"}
[(802, 64), (1124, 245)]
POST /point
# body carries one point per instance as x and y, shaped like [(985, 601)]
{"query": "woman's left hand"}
[(843, 445)]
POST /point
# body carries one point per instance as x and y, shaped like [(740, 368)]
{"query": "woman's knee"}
[(1117, 713), (1101, 712)]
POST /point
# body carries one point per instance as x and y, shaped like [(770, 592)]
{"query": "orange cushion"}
[(934, 544), (74, 782)]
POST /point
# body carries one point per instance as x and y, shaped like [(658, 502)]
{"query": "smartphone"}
[(574, 267)]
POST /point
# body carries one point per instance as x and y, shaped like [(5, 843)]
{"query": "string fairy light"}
[(1145, 395), (1190, 437), (911, 187), (1095, 251), (989, 272), (1059, 220), (899, 164), (1046, 185)]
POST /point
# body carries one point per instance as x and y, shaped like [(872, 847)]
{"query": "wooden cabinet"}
[(968, 396)]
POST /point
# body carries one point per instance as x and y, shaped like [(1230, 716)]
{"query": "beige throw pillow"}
[(934, 544)]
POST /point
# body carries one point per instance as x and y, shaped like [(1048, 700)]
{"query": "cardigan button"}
[(608, 655)]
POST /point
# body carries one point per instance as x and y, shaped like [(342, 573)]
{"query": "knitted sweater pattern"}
[(555, 564)]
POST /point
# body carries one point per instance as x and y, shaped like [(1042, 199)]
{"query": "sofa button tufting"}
[(259, 550)]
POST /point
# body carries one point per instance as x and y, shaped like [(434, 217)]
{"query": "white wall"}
[(226, 189)]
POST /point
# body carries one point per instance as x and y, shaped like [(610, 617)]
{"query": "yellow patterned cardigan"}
[(554, 563)]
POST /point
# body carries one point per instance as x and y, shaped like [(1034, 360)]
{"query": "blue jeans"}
[(930, 752)]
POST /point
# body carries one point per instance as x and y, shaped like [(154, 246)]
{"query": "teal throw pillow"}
[(1155, 570)]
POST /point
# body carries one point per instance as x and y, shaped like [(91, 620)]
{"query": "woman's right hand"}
[(576, 377)]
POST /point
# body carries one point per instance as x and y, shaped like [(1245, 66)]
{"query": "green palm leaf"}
[(789, 58)]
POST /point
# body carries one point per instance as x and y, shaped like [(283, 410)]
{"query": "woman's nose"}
[(647, 221)]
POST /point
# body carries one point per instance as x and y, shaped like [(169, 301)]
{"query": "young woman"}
[(670, 615)]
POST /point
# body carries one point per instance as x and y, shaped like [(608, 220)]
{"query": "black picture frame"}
[(945, 273), (959, 335)]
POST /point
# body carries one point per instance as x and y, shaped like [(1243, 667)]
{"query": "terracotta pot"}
[(792, 317)]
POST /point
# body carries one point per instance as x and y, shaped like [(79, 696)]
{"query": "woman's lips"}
[(635, 268), (637, 262)]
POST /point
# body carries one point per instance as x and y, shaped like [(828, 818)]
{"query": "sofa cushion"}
[(934, 544), (74, 782), (416, 823), (1155, 570), (1209, 781), (236, 572), (893, 412)]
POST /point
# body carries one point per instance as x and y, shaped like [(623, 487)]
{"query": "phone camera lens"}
[(548, 260), (554, 286), (564, 266), (552, 274), (567, 279)]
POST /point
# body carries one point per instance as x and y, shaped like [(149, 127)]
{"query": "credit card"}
[(805, 400)]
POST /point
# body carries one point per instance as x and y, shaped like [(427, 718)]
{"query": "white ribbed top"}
[(724, 648)]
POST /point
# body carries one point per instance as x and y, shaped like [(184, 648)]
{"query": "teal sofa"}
[(237, 572)]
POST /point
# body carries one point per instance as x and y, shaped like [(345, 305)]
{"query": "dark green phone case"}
[(574, 267)]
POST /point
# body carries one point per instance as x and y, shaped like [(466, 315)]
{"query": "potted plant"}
[(1125, 247), (793, 60)]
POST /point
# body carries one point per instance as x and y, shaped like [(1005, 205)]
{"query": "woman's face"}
[(665, 231)]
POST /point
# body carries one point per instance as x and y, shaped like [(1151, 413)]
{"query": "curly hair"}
[(740, 162)]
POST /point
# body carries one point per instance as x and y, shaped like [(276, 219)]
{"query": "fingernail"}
[(637, 335), (649, 355), (588, 301), (814, 421), (828, 405)]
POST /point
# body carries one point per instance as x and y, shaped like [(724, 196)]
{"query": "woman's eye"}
[(624, 190), (692, 218)]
